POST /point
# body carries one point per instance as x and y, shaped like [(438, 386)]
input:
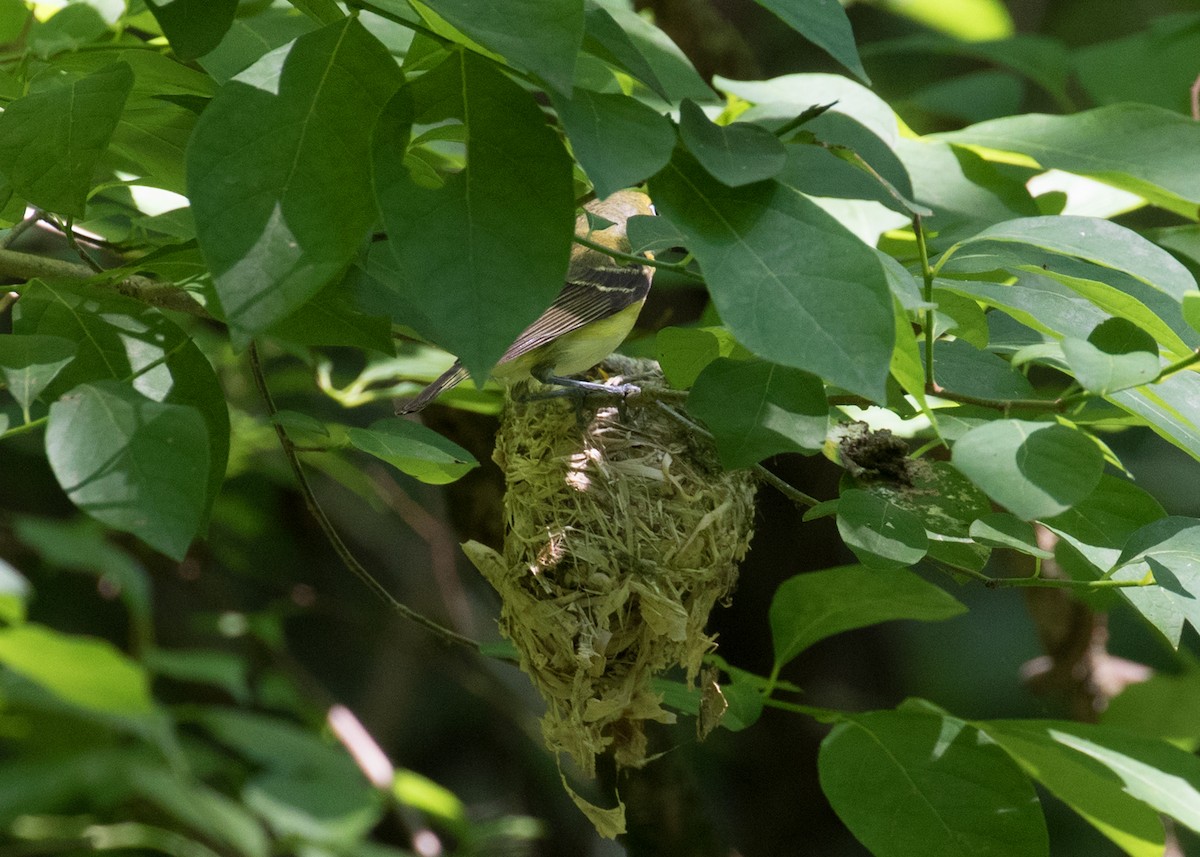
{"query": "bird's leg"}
[(582, 389)]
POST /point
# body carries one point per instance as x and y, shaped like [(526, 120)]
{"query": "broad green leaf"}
[(1165, 706), (415, 450), (122, 339), (817, 171), (1090, 789), (1100, 524), (81, 670), (1171, 407), (334, 811), (645, 51), (194, 27), (278, 172), (136, 464), (1131, 146), (29, 364), (14, 593), (881, 534), (541, 36), (271, 742), (1168, 549), (968, 20), (684, 352), (809, 607), (737, 154), (1191, 309), (1033, 469), (331, 319), (1163, 777), (618, 140), (52, 140), (481, 255), (961, 316), (251, 38), (224, 670), (1002, 530), (823, 24), (784, 98), (946, 503), (917, 785), (1041, 59), (82, 546), (68, 29), (960, 367), (652, 234), (756, 409), (1099, 242), (965, 192), (1115, 356), (321, 11), (1037, 301), (1148, 67), (787, 279), (201, 808), (14, 17)]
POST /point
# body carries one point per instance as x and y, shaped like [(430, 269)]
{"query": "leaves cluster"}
[(316, 175)]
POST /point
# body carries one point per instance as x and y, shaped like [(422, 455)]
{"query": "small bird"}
[(591, 316)]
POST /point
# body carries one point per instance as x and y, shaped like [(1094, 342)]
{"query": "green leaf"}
[(484, 253), (756, 409), (1171, 407), (1099, 242), (790, 282), (960, 367), (122, 339), (541, 36), (1117, 355), (14, 593), (415, 450), (684, 352), (81, 670), (203, 809), (193, 27), (914, 785), (1165, 706), (809, 607), (133, 463), (736, 154), (823, 24), (881, 534), (30, 363), (617, 33), (1033, 469), (618, 140), (1131, 146), (51, 141), (82, 545), (965, 192), (330, 319), (278, 172), (1091, 790), (1148, 67), (1168, 549), (1099, 526), (334, 811), (946, 503), (250, 38), (1002, 530), (1191, 309), (1161, 776)]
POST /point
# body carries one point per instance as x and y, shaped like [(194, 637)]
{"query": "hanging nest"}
[(622, 531)]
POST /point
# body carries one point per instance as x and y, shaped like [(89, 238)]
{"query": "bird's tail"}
[(444, 382)]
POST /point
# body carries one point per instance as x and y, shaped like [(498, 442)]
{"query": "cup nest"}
[(622, 532)]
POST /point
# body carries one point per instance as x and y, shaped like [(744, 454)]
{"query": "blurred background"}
[(274, 622)]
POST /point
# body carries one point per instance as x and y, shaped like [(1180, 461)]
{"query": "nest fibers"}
[(622, 531)]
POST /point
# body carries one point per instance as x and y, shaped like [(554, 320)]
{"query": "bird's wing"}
[(592, 292)]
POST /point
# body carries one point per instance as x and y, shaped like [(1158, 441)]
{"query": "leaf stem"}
[(1178, 366), (927, 277), (677, 267), (335, 540), (24, 429)]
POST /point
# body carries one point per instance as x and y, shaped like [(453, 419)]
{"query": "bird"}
[(592, 315)]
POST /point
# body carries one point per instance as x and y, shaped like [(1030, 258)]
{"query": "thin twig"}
[(927, 276), (19, 229), (7, 300), (68, 230), (335, 540), (790, 491)]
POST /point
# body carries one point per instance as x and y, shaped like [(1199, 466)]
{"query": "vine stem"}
[(335, 540), (677, 267)]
